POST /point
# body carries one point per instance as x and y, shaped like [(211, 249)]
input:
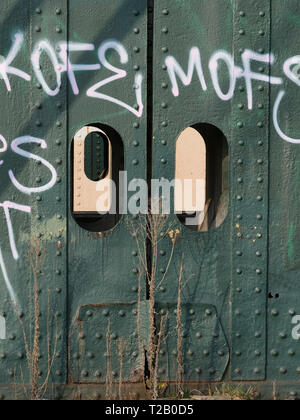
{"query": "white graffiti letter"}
[(296, 330), (3, 148), (71, 68), (6, 206), (276, 123), (15, 147), (249, 75), (293, 61), (5, 66), (174, 69), (7, 281), (35, 59), (232, 70), (119, 74)]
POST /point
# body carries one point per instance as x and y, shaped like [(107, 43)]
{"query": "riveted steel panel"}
[(37, 197), (104, 266), (204, 349), (108, 343), (283, 307), (250, 199), (178, 27)]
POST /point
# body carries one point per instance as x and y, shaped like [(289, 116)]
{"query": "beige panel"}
[(190, 173), (87, 192)]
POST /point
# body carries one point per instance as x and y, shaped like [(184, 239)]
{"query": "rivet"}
[(2, 356), (292, 312), (258, 254), (58, 11), (262, 14), (221, 353), (12, 337), (136, 67), (241, 142), (90, 355), (239, 198), (163, 161), (261, 69), (165, 30), (165, 12), (260, 106), (237, 312), (198, 335), (135, 143), (135, 162), (259, 217), (239, 290), (241, 106), (242, 31), (256, 371), (260, 161), (165, 49), (38, 11), (238, 353), (20, 355), (134, 289), (121, 313), (240, 180), (240, 124), (164, 124), (261, 50), (39, 86), (58, 290), (89, 314), (283, 370), (257, 290), (261, 88), (164, 67), (98, 336), (208, 312), (192, 312), (291, 352), (239, 217), (260, 143), (259, 198), (274, 353), (242, 14), (58, 29), (38, 198), (136, 30), (257, 353), (237, 371), (282, 335), (58, 124), (239, 253), (206, 353), (85, 373), (37, 29), (198, 371), (261, 33), (164, 105), (105, 312), (257, 335), (258, 271), (274, 312), (212, 371), (136, 50), (136, 125), (136, 13), (260, 179)]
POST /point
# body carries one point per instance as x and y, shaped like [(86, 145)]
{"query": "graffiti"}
[(8, 206), (235, 73), (2, 328), (296, 329), (66, 66)]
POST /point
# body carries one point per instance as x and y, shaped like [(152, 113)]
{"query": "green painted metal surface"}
[(142, 73)]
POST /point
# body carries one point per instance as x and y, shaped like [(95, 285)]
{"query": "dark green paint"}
[(233, 270)]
